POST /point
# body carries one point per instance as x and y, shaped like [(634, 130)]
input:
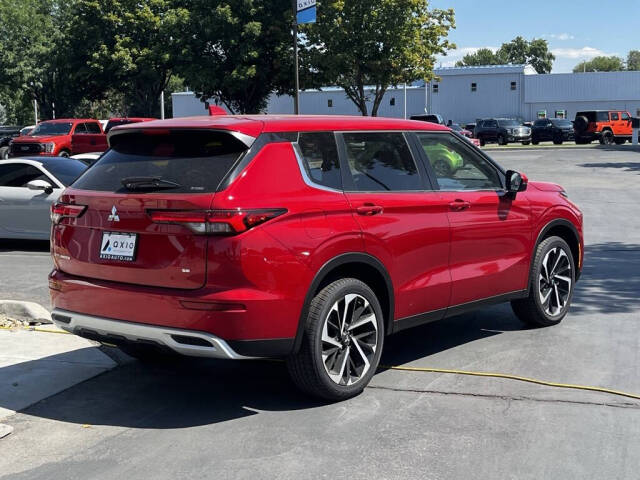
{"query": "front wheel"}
[(63, 153), (606, 138), (551, 285), (501, 140), (342, 341)]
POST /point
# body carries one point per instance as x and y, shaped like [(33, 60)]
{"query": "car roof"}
[(254, 125), (67, 120)]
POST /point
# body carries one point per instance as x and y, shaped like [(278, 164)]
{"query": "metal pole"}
[(53, 108), (35, 110), (405, 100), (426, 95), (162, 105), (296, 97)]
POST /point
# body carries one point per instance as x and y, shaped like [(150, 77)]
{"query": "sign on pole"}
[(306, 11)]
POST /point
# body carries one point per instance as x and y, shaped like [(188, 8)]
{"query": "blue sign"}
[(306, 11)]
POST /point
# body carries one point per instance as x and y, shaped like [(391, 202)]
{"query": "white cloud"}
[(559, 36), (581, 53), (450, 59)]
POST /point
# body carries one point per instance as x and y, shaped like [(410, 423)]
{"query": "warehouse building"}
[(464, 94)]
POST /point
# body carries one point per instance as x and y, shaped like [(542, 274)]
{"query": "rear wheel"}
[(342, 341), (551, 285), (4, 153), (526, 143), (481, 140), (557, 140), (501, 140)]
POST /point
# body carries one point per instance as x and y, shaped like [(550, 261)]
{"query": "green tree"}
[(482, 56), (377, 43), (600, 64), (633, 60), (521, 51), (238, 51)]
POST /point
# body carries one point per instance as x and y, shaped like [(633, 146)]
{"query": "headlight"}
[(47, 147)]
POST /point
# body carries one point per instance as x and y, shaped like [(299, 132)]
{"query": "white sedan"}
[(28, 187)]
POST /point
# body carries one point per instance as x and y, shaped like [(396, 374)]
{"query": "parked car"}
[(28, 187), (429, 117), (115, 122), (471, 127), (7, 133), (502, 131), (607, 126), (62, 137), (556, 130), (309, 237), (88, 158), (462, 131)]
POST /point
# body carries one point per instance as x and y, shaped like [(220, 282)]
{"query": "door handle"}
[(369, 209), (459, 205)]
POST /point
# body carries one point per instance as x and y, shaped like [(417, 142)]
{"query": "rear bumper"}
[(184, 342)]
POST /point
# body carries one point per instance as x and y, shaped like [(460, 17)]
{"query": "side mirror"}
[(43, 185), (516, 182)]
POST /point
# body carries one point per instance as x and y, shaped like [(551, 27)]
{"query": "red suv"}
[(306, 237)]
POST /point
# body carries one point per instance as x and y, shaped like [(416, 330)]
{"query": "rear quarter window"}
[(195, 160)]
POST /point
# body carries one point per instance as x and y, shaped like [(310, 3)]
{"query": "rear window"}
[(594, 116), (187, 161), (65, 170)]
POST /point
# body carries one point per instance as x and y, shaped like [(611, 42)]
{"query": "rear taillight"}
[(217, 222), (65, 210)]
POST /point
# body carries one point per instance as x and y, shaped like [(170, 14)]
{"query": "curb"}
[(25, 311)]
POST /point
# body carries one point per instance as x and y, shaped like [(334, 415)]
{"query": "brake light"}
[(65, 210), (217, 222)]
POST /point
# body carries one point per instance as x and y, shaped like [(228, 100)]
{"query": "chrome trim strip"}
[(138, 331)]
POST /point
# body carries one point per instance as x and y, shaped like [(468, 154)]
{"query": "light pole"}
[(296, 96)]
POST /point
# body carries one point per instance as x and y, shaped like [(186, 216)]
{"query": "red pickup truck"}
[(62, 137)]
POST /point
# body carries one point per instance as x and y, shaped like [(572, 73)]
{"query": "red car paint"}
[(75, 140), (440, 250)]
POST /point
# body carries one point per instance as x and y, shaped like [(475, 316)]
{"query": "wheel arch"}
[(362, 266), (566, 230)]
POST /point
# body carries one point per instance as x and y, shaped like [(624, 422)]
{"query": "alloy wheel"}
[(349, 339), (555, 281)]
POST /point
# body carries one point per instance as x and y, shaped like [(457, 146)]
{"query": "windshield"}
[(65, 169), (561, 123), (50, 128), (508, 123)]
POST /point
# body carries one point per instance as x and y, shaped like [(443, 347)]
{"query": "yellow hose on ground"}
[(507, 376)]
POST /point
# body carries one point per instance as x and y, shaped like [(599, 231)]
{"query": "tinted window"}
[(18, 175), (47, 128), (560, 123), (92, 128), (540, 123), (625, 116), (602, 116), (320, 158), (65, 170), (80, 129), (615, 116), (490, 124), (509, 123), (456, 167), (381, 162), (194, 160)]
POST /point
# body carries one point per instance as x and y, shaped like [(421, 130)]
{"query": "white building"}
[(464, 94)]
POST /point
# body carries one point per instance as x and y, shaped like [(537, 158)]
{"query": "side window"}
[(18, 175), (381, 162), (320, 158), (614, 116), (456, 167), (625, 116), (540, 123), (491, 124), (92, 127), (80, 128)]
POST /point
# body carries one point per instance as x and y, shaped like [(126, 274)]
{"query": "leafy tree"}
[(483, 56), (378, 43), (633, 60), (535, 53), (600, 64), (238, 51)]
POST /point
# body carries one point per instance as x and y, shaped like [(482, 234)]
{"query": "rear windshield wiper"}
[(148, 183)]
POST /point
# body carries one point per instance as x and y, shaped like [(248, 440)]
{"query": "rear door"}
[(404, 222), (490, 231), (172, 173)]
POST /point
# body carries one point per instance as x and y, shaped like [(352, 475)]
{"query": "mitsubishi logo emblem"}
[(114, 215)]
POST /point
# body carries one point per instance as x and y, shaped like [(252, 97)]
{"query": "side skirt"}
[(435, 315)]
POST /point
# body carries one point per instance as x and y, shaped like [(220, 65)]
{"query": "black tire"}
[(619, 141), (64, 153), (307, 368), (582, 141), (526, 143), (4, 153), (606, 138), (531, 310), (557, 141), (482, 142), (501, 140), (535, 142)]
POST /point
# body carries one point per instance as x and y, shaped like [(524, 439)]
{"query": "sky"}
[(576, 30)]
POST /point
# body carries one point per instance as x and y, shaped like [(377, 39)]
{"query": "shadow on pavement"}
[(24, 245), (195, 392), (627, 166)]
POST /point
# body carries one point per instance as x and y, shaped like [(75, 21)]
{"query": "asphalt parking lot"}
[(213, 419)]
